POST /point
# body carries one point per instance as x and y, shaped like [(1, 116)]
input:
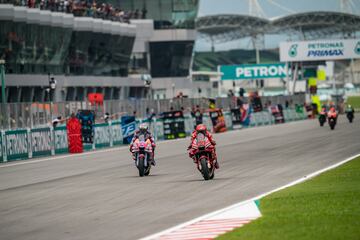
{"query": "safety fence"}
[(32, 115), (47, 141)]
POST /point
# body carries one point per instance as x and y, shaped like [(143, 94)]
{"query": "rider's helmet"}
[(143, 127), (201, 128)]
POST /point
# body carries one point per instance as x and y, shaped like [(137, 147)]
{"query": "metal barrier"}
[(29, 143), (30, 115)]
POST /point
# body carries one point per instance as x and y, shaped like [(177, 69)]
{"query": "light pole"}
[(3, 93), (51, 91), (173, 89), (147, 83)]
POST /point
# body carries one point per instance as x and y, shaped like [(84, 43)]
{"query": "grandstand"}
[(105, 48)]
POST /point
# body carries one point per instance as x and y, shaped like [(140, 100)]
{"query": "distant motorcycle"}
[(332, 117), (142, 149), (202, 149), (322, 117), (350, 116)]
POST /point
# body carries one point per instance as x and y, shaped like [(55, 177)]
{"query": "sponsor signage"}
[(253, 71), (41, 141), (16, 144), (102, 133), (319, 50)]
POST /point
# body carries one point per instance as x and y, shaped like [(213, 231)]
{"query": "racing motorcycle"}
[(322, 117), (202, 150), (332, 117), (350, 116), (142, 149)]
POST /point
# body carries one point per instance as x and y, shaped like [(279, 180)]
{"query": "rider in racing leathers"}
[(201, 128), (143, 130), (332, 113)]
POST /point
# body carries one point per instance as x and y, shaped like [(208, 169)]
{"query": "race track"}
[(100, 196)]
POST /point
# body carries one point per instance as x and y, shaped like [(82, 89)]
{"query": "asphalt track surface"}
[(100, 196)]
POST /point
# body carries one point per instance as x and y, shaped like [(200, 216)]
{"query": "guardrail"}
[(30, 143)]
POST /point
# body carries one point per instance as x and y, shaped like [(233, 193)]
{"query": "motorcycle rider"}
[(324, 109), (201, 128), (143, 130), (350, 112), (349, 109), (323, 115), (332, 113)]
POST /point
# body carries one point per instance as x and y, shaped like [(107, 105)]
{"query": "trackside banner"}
[(319, 50), (253, 71)]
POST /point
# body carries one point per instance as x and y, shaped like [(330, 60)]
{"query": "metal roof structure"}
[(308, 25), (223, 28)]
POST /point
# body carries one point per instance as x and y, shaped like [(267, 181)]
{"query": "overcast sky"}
[(213, 7)]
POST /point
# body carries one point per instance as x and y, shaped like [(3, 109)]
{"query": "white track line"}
[(23, 162), (229, 208)]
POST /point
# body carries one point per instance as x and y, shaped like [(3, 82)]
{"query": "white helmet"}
[(143, 127)]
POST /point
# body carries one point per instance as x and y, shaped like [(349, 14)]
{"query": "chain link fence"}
[(30, 115)]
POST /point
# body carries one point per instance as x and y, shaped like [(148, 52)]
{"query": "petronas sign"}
[(319, 50)]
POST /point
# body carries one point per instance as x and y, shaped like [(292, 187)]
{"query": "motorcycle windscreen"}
[(200, 137), (201, 141), (142, 138)]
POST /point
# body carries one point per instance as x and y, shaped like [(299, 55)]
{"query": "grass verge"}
[(354, 101), (325, 207)]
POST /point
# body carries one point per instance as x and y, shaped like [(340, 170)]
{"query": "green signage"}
[(253, 71), (1, 148), (16, 144), (60, 140), (41, 141)]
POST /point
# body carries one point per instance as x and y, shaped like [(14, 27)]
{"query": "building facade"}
[(90, 55)]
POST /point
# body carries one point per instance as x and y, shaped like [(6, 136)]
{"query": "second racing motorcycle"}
[(142, 150), (322, 117)]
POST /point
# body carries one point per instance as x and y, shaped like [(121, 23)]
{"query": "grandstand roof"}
[(312, 25), (229, 27)]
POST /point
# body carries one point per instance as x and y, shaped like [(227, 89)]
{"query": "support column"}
[(295, 77)]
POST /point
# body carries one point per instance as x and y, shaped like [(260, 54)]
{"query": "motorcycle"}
[(142, 149), (332, 117), (322, 118), (203, 153), (350, 116)]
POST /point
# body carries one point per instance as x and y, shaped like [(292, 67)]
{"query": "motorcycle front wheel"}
[(141, 167), (204, 169)]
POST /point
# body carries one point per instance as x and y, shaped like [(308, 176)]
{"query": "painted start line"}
[(212, 225)]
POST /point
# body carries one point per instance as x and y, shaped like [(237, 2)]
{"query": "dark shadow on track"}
[(202, 180)]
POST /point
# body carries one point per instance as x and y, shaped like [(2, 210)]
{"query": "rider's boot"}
[(153, 159), (216, 161)]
